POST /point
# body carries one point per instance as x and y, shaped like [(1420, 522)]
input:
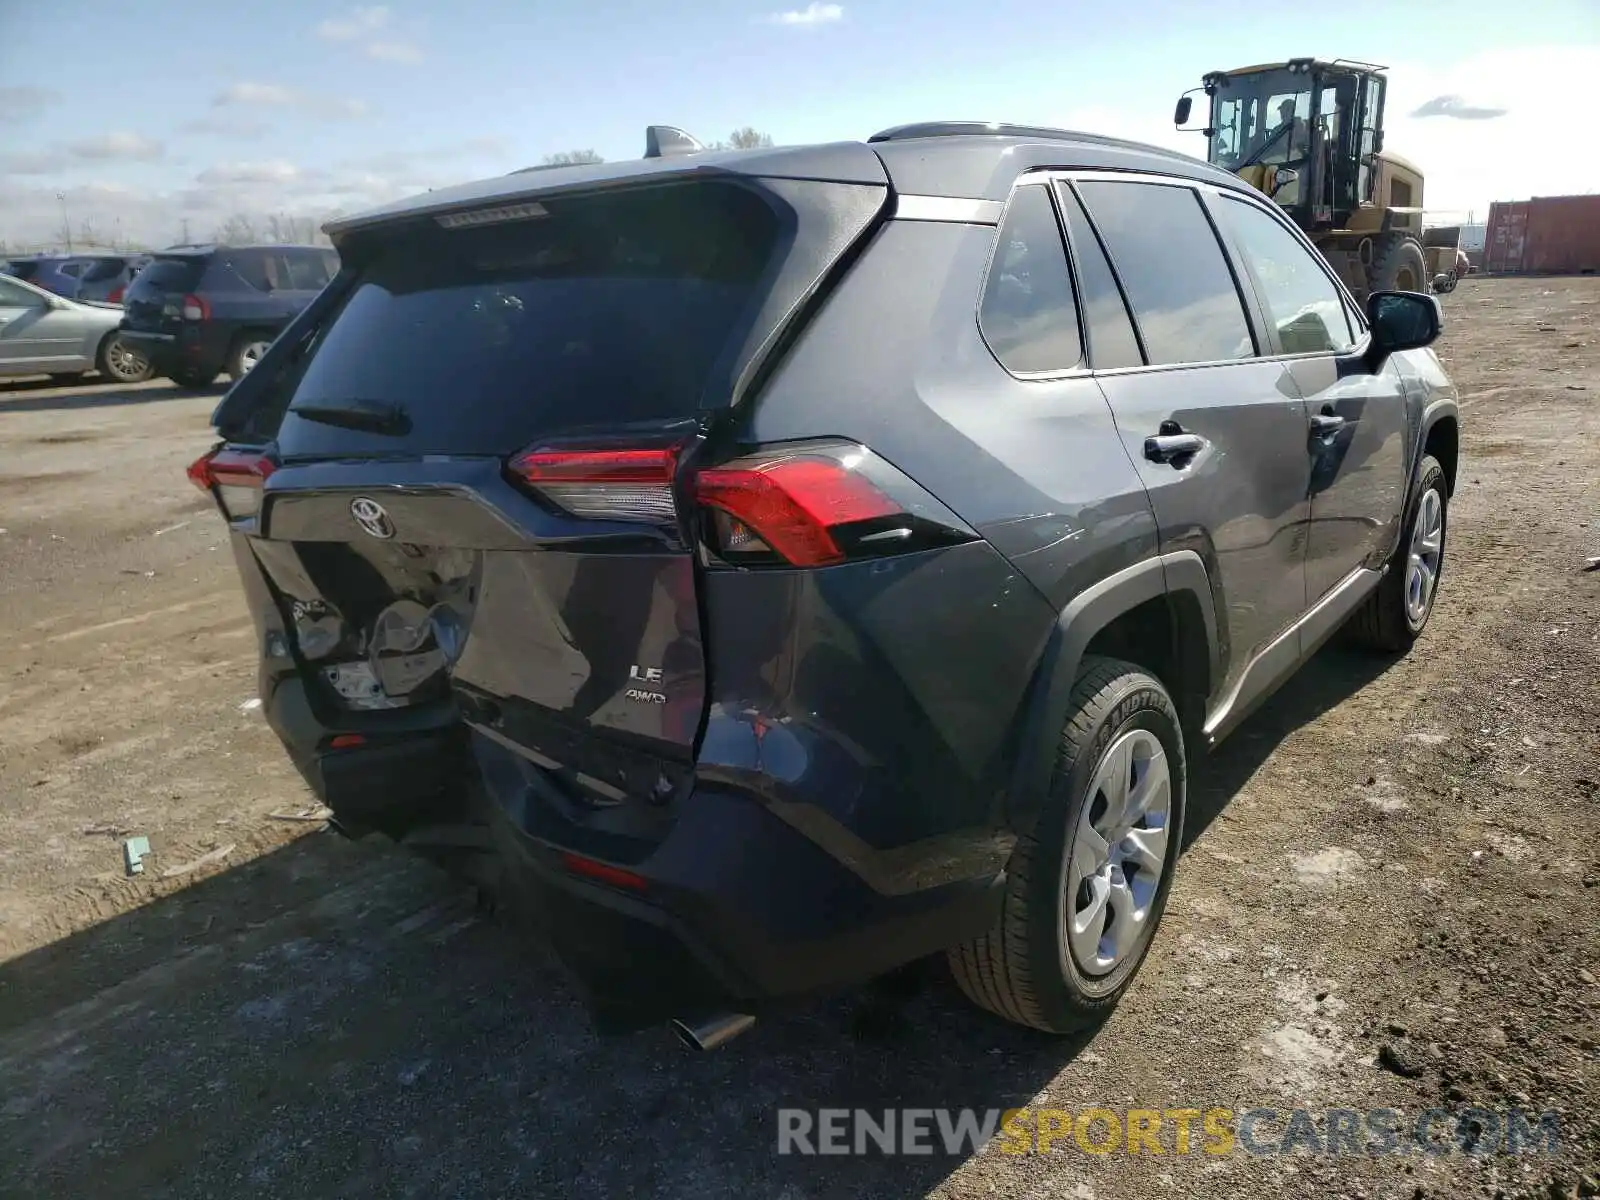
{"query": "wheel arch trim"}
[(1044, 710)]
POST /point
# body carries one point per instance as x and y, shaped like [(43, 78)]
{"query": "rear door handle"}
[(1173, 447), (1326, 424)]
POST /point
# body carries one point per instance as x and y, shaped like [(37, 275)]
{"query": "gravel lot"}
[(1396, 865)]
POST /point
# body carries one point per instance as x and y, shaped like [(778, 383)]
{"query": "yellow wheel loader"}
[(1309, 134)]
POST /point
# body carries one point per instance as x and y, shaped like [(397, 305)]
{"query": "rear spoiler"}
[(660, 141)]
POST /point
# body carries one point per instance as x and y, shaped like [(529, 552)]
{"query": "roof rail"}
[(668, 141), (926, 129)]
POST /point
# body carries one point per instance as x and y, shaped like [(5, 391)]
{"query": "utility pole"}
[(66, 224)]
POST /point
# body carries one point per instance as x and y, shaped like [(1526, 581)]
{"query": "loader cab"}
[(1305, 132)]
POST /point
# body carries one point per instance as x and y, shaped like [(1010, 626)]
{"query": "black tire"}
[(1398, 265), (117, 365), (193, 378), (1386, 622), (246, 348), (1021, 969)]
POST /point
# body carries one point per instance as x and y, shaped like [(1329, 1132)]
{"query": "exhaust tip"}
[(711, 1032)]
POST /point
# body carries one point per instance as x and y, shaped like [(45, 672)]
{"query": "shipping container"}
[(1548, 235)]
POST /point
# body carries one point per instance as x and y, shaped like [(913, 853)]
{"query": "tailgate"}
[(476, 453), (153, 302), (399, 585)]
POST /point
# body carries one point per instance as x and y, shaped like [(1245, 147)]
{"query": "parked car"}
[(196, 311), (819, 557), (79, 276), (45, 334)]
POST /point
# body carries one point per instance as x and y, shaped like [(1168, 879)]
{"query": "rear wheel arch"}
[(1157, 613), (242, 339)]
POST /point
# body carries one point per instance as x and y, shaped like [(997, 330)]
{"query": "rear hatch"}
[(154, 301), (471, 448)]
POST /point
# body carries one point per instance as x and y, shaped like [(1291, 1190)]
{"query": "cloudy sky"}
[(193, 111)]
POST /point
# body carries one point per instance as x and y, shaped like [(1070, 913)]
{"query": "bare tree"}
[(282, 227), (745, 138), (572, 158), (89, 235), (237, 230), (748, 138)]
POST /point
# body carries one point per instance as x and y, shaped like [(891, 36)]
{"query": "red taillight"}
[(115, 297), (808, 504), (793, 503), (196, 308), (590, 868), (235, 476), (605, 484), (346, 741)]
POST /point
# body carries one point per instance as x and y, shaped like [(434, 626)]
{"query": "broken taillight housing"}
[(234, 477), (810, 504), (621, 484)]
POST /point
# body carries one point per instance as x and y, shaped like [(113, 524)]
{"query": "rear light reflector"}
[(791, 504), (347, 741), (235, 477), (604, 484), (196, 308), (590, 868)]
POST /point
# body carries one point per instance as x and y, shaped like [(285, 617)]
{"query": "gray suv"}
[(789, 563)]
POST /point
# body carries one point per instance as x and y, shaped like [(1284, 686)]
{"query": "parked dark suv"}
[(196, 311), (814, 558)]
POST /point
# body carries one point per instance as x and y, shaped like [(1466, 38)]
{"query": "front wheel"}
[(1086, 889), (1399, 266), (1394, 616), (118, 361)]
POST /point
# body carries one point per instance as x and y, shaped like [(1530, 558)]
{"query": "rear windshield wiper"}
[(369, 416)]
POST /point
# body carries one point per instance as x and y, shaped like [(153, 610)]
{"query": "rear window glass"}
[(22, 270), (170, 275), (610, 310)]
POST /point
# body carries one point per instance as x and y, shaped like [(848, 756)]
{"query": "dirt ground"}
[(1390, 899)]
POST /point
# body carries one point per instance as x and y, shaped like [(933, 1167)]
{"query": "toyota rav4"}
[(805, 560)]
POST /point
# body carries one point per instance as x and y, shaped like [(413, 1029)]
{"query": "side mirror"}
[(1403, 321), (1180, 115)]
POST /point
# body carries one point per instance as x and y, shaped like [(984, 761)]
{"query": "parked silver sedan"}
[(44, 334)]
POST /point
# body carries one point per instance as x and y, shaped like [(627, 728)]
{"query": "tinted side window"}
[(251, 266), (1028, 314), (1112, 342), (1173, 270), (1304, 305), (104, 269), (308, 269)]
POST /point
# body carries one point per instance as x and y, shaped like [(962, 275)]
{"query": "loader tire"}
[(1398, 266)]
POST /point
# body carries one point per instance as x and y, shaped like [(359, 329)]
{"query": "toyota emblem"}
[(372, 518)]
